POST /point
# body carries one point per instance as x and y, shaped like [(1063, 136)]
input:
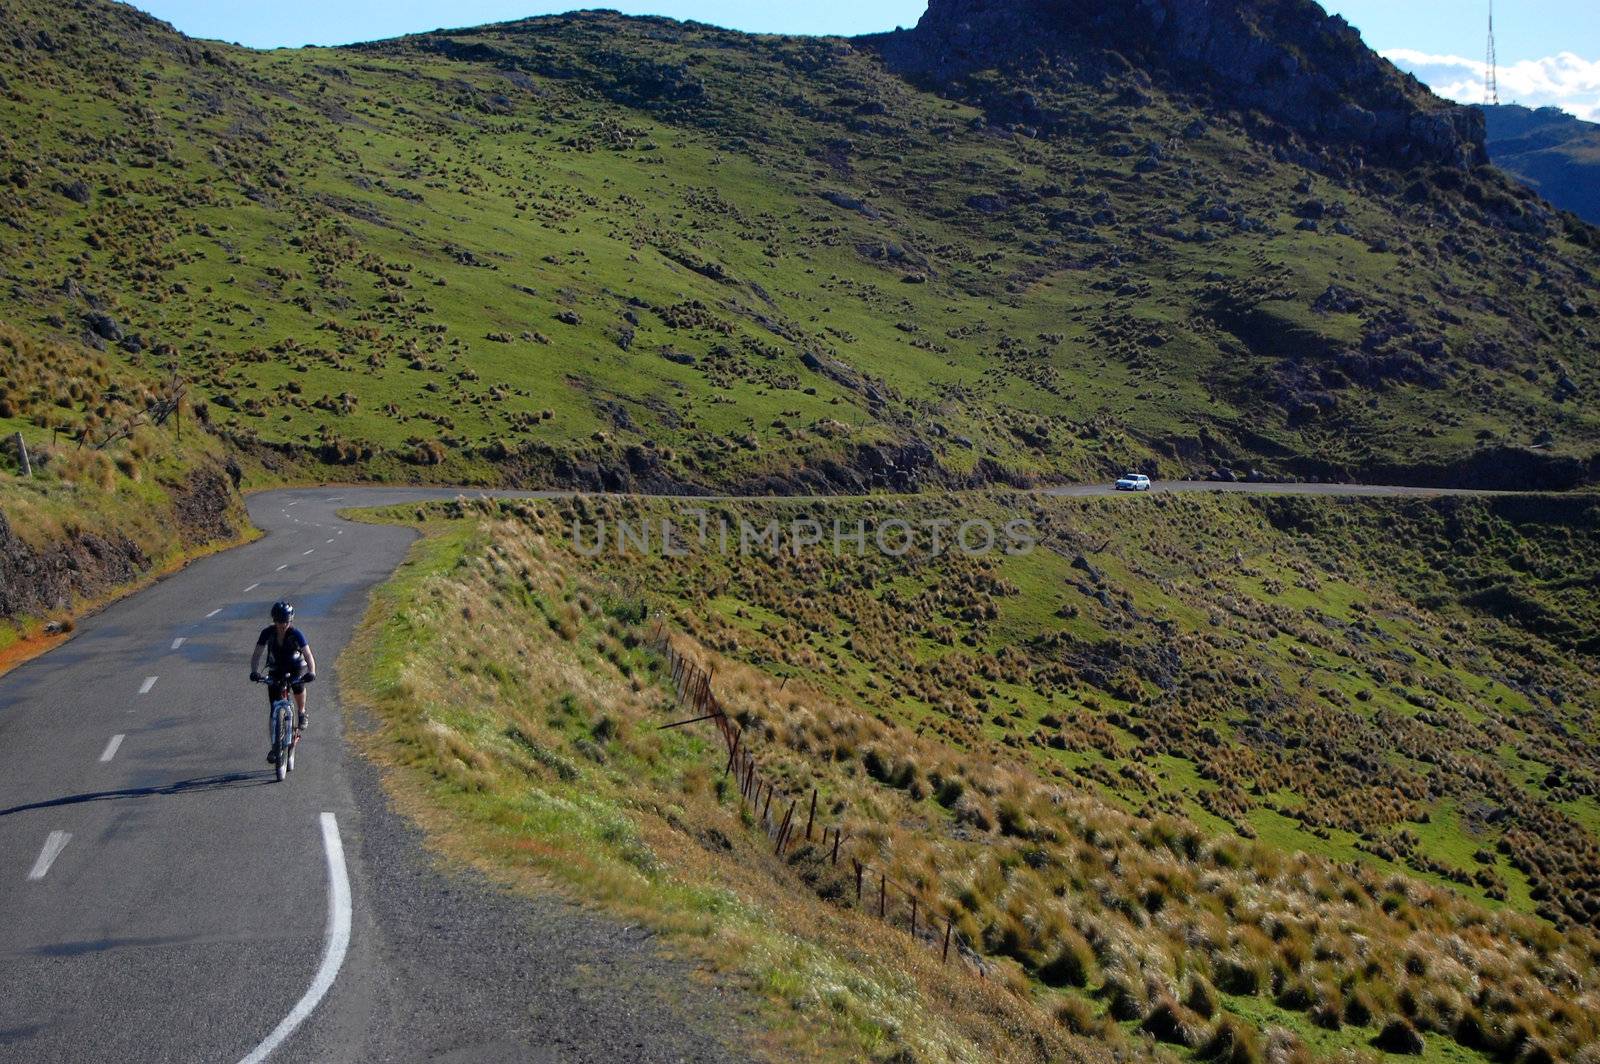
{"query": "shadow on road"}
[(198, 785), (99, 945)]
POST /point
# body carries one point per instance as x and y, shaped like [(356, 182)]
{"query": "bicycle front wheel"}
[(285, 743)]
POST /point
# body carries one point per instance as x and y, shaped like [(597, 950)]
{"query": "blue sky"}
[(1549, 50)]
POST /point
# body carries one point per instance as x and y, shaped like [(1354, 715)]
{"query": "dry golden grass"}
[(517, 715)]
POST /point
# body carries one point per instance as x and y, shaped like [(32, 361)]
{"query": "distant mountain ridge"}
[(1552, 151)]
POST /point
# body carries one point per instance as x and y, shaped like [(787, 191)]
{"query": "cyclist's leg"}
[(299, 690), (272, 727)]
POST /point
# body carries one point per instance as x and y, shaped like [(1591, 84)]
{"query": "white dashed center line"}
[(282, 567), (111, 747), (178, 642), (52, 849), (213, 613), (251, 588), (303, 554), (149, 682), (329, 541)]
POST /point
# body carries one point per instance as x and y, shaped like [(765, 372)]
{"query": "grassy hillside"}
[(1213, 777), (632, 252)]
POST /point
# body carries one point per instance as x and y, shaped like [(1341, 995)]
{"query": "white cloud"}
[(1565, 80)]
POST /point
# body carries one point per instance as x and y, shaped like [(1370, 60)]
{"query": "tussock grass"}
[(516, 703), (1062, 884), (401, 261)]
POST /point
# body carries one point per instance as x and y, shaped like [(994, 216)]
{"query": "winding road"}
[(164, 900)]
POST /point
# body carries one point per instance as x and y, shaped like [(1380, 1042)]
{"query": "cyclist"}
[(290, 663)]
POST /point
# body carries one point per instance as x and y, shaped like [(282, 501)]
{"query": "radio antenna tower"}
[(1491, 73)]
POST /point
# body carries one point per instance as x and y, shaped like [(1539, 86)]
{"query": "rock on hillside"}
[(1290, 60)]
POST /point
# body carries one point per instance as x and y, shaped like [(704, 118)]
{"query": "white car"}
[(1133, 482)]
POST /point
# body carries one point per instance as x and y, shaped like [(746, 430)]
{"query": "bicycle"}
[(285, 735)]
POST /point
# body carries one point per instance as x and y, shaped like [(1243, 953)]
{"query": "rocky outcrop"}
[(37, 580), (1288, 60), (53, 578)]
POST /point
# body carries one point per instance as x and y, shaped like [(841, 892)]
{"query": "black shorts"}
[(275, 687)]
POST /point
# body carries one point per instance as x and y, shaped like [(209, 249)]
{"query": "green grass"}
[(531, 750), (329, 218), (975, 736)]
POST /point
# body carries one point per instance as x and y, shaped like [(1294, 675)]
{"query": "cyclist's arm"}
[(311, 660), (255, 658)]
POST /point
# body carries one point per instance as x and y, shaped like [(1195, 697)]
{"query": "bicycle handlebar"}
[(284, 678)]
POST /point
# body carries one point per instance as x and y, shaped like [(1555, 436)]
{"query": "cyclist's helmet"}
[(282, 611)]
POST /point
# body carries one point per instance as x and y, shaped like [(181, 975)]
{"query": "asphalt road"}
[(1265, 488), (165, 899)]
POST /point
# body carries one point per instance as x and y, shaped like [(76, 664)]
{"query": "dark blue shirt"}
[(286, 656)]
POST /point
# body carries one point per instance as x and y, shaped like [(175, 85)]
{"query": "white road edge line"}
[(213, 613), (111, 747), (52, 849), (251, 588), (338, 944), (149, 682)]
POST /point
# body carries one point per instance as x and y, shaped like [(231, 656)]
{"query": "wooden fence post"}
[(733, 752), (913, 916), (944, 954), (883, 893), (858, 880), (812, 818), (783, 832), (838, 833)]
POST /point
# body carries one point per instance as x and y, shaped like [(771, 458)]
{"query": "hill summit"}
[(1303, 69)]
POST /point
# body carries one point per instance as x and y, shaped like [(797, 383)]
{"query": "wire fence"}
[(779, 813)]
